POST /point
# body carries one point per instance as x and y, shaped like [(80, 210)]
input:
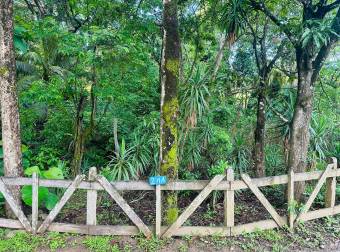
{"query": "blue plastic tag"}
[(158, 180)]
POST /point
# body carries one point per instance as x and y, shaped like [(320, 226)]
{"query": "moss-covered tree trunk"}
[(79, 138), (260, 131), (11, 140), (170, 70), (83, 134)]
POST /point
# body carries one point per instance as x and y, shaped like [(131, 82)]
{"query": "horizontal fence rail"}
[(225, 183)]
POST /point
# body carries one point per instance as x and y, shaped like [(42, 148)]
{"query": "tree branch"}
[(276, 57), (254, 43), (285, 120), (262, 7)]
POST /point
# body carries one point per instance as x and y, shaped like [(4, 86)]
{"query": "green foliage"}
[(57, 240), (232, 18), (46, 197), (121, 167), (274, 160), (194, 98), (21, 242), (317, 32), (150, 245), (19, 39), (217, 169), (98, 243), (220, 144)]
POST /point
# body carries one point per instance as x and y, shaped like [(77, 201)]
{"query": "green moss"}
[(171, 200), (170, 110), (171, 215), (172, 65), (170, 165), (3, 71)]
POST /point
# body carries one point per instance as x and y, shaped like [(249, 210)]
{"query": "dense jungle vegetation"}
[(183, 88)]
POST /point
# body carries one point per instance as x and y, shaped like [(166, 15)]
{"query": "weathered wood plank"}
[(133, 230), (279, 220), (201, 231), (35, 202), (254, 226), (158, 210), (67, 195), (124, 206), (177, 185), (291, 201), (91, 200), (229, 201), (331, 187), (193, 206), (9, 223), (15, 208), (315, 192), (316, 214)]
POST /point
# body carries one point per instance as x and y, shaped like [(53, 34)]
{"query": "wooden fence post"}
[(91, 207), (35, 202), (331, 187), (158, 210), (291, 202), (229, 203)]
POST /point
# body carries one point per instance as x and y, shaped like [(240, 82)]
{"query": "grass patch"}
[(21, 242), (101, 243)]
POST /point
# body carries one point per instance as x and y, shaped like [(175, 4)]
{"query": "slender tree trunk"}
[(169, 104), (219, 57), (81, 133), (299, 137), (79, 138), (260, 132), (115, 137), (9, 101)]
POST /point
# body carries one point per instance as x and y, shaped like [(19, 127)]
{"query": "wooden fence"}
[(225, 183)]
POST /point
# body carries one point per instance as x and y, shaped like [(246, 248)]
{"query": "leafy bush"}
[(46, 197), (219, 168), (220, 144), (274, 160), (123, 165)]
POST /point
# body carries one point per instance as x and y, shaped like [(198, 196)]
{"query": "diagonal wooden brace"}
[(193, 206), (14, 206), (315, 192), (277, 218), (67, 195), (124, 205)]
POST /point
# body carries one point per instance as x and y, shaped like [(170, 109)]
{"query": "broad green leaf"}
[(20, 44), (26, 195), (51, 201), (29, 171), (53, 173)]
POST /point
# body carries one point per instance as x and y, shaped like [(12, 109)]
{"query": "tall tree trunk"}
[(169, 104), (299, 137), (81, 133), (9, 101), (260, 132), (219, 57), (79, 138)]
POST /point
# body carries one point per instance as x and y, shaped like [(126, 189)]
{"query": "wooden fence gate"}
[(225, 183)]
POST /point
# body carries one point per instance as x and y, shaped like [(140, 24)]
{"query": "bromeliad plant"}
[(47, 198)]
